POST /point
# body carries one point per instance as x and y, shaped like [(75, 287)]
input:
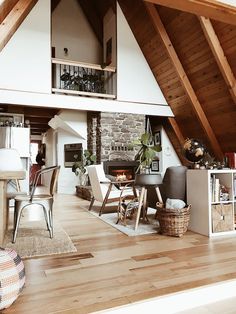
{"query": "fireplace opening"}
[(122, 173), (121, 169)]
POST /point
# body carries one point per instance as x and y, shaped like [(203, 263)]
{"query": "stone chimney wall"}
[(118, 130)]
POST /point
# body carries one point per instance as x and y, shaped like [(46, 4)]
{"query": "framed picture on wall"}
[(157, 138), (155, 165)]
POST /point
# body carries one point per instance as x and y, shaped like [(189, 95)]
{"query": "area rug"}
[(144, 227), (33, 240)]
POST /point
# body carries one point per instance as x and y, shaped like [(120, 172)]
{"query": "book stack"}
[(215, 189), (235, 188)]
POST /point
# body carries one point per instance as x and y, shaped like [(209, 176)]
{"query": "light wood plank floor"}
[(112, 269)]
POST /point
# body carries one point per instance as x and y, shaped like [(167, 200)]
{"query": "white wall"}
[(135, 80), (76, 120), (50, 139), (168, 156), (82, 103), (25, 62), (230, 2), (67, 179), (71, 30)]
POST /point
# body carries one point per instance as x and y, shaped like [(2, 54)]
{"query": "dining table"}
[(5, 176)]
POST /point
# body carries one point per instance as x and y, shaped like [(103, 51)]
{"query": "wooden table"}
[(143, 202), (4, 177), (106, 200)]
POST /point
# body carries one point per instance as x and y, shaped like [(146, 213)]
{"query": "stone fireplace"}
[(109, 136), (124, 169)]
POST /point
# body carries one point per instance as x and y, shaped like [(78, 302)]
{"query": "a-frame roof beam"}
[(219, 55), (5, 8), (208, 8), (176, 130), (14, 19), (159, 27)]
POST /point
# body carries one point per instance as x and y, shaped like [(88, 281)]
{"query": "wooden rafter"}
[(5, 8), (176, 130), (13, 20), (219, 55), (208, 8), (159, 27)]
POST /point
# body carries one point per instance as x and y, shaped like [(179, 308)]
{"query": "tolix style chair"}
[(44, 200)]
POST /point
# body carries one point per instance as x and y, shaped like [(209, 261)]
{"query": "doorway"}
[(34, 166)]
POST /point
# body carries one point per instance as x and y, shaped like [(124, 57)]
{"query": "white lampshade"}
[(10, 160)]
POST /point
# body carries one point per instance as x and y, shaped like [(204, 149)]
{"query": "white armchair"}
[(105, 190)]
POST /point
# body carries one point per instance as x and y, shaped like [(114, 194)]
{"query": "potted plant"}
[(79, 167), (146, 153)]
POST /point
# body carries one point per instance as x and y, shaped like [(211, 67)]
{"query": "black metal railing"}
[(83, 79)]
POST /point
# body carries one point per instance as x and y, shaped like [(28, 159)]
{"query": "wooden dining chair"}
[(44, 200)]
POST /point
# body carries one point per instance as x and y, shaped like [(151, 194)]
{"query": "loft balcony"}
[(83, 79)]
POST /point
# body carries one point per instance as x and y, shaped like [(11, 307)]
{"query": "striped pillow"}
[(12, 277)]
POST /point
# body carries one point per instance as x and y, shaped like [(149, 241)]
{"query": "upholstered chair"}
[(173, 186)]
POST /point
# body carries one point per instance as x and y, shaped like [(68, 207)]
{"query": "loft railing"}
[(84, 79)]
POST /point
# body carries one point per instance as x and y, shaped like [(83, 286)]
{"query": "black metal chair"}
[(44, 200)]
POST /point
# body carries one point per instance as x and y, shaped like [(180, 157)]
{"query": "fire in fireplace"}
[(122, 169)]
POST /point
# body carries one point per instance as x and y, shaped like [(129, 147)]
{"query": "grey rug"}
[(144, 227), (33, 240)]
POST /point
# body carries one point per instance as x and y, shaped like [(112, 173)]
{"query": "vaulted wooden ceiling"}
[(193, 59), (194, 62)]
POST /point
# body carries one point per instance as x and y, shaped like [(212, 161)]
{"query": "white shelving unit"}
[(200, 196)]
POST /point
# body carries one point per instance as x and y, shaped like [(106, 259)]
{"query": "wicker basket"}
[(173, 222)]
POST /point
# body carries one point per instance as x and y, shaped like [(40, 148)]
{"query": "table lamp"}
[(10, 160)]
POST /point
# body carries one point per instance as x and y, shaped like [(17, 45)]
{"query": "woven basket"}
[(173, 222)]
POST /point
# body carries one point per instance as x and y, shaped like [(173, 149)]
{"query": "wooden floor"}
[(112, 269)]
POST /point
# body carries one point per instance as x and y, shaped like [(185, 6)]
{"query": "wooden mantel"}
[(4, 177)]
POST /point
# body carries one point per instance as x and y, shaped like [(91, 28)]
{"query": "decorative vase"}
[(83, 179)]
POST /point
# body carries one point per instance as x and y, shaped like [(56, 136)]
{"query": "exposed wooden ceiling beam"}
[(39, 126), (39, 112), (36, 120), (159, 27), (176, 130), (14, 19), (219, 55), (208, 8), (5, 8)]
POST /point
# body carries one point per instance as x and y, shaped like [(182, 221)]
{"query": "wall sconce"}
[(65, 51)]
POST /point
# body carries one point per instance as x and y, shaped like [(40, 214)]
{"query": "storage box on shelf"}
[(212, 195)]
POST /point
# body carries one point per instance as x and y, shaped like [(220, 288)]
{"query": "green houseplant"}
[(79, 166), (146, 153)]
